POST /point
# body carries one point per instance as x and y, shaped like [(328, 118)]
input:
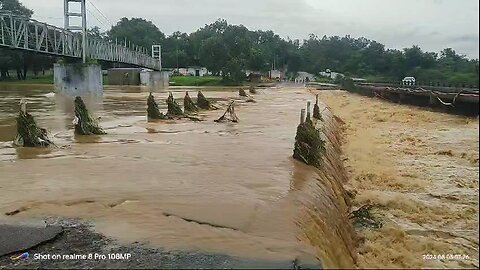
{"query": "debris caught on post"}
[(316, 110), (363, 218), (202, 102), (28, 133), (229, 114), (173, 108), (84, 123), (152, 111), (242, 93), (188, 104), (308, 144)]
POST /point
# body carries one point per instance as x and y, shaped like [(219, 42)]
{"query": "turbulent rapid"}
[(419, 170)]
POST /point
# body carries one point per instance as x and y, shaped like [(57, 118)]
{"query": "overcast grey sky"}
[(431, 24)]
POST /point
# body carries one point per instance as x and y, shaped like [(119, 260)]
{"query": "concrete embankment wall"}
[(451, 100), (325, 220)]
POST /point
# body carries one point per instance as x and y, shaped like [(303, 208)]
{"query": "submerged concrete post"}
[(302, 116), (308, 110), (78, 79)]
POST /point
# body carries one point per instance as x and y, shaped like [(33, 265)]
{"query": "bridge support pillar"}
[(78, 79), (158, 79)]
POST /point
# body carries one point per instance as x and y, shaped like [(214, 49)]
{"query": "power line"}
[(98, 20), (99, 11)]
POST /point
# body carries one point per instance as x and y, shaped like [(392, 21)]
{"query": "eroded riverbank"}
[(419, 169)]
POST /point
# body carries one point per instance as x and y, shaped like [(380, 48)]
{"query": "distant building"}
[(276, 75), (409, 81), (330, 74), (198, 71), (304, 77), (255, 77), (192, 71)]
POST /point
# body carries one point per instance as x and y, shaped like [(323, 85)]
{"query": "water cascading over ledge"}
[(324, 221)]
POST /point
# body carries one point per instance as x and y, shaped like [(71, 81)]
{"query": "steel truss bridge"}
[(22, 33)]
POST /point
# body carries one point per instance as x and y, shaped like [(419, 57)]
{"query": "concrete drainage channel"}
[(68, 244)]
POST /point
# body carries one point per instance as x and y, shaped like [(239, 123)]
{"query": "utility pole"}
[(83, 28), (176, 39)]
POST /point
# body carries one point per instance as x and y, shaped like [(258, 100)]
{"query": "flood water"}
[(419, 169), (204, 186)]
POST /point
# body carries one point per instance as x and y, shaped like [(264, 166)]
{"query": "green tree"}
[(136, 31), (15, 7), (11, 59)]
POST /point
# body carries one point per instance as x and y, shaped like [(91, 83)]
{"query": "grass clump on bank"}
[(47, 79), (196, 81), (84, 123)]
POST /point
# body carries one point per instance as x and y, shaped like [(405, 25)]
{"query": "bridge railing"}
[(22, 33)]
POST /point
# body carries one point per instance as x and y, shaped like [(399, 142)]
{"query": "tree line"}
[(228, 50)]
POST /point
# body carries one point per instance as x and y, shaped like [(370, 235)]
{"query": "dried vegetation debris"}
[(84, 123)]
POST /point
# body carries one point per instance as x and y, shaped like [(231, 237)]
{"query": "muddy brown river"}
[(215, 187), (235, 189)]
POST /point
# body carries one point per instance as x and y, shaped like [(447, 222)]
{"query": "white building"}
[(408, 81), (304, 77), (330, 74), (193, 71), (276, 75)]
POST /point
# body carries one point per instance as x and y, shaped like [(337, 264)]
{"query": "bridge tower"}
[(157, 54), (74, 79), (68, 15)]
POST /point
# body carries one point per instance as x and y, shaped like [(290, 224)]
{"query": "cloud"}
[(432, 24)]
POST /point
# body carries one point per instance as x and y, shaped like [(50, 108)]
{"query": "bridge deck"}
[(22, 33)]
